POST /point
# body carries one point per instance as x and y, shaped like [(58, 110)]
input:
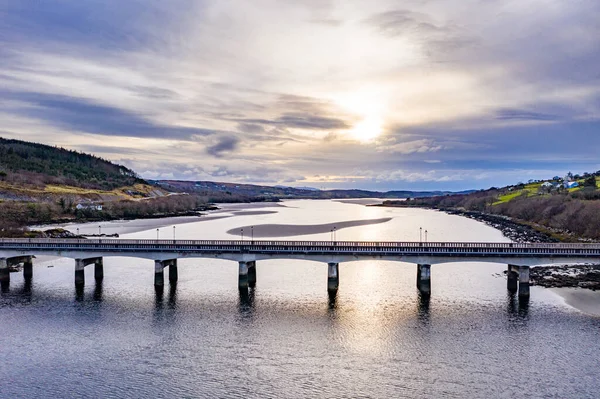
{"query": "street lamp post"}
[(420, 234), (173, 233), (334, 235), (425, 236), (242, 231), (100, 230), (252, 234), (157, 230)]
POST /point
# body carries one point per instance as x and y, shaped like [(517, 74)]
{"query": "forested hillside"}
[(37, 164), (568, 208), (44, 184)]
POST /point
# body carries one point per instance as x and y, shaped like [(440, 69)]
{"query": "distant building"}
[(91, 207), (547, 185), (571, 184)]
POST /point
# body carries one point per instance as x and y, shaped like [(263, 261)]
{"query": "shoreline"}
[(582, 300), (515, 231), (132, 226)]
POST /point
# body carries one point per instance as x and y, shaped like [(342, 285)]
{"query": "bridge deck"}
[(381, 248)]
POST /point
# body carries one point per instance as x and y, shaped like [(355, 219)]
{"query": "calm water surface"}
[(122, 339)]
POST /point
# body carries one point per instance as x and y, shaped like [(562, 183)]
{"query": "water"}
[(121, 339)]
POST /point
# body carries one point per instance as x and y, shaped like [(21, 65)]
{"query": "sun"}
[(367, 129), (368, 106)]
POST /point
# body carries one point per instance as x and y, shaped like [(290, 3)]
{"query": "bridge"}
[(519, 257)]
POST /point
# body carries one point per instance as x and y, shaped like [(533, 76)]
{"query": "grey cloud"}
[(399, 22), (224, 144), (524, 115), (250, 128), (440, 41), (153, 92), (78, 114), (303, 121)]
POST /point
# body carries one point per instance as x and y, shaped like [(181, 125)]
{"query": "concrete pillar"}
[(28, 268), (512, 277), (79, 271), (159, 273), (99, 269), (524, 282), (424, 279), (4, 272), (333, 277), (243, 275), (251, 273), (173, 275)]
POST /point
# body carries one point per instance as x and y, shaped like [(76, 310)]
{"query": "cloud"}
[(223, 144), (278, 86), (410, 147), (524, 115), (302, 121), (81, 115)]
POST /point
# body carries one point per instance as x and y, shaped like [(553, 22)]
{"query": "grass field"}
[(123, 193)]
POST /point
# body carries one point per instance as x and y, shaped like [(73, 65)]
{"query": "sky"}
[(382, 95)]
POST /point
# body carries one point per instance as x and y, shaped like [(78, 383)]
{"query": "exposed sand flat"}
[(288, 230), (129, 226), (252, 213), (362, 201), (586, 301)]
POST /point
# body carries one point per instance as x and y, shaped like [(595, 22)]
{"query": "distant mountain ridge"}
[(208, 188)]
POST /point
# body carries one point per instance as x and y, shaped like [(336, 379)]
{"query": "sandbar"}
[(288, 230)]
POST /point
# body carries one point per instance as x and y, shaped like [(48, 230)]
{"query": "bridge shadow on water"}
[(517, 307), (423, 302), (332, 296), (97, 295), (246, 300), (159, 296), (25, 291)]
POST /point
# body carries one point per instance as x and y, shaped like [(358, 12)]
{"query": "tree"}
[(590, 182)]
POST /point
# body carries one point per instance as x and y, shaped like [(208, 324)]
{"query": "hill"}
[(43, 184), (38, 164), (225, 192), (566, 208)]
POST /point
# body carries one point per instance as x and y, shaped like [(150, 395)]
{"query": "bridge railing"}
[(366, 245)]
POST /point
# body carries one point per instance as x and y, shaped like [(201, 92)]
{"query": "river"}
[(377, 339)]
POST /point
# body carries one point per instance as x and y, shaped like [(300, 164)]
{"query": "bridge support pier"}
[(251, 273), (524, 282), (4, 271), (173, 273), (80, 265), (424, 279), (99, 269), (512, 279), (28, 268), (159, 271), (7, 263), (243, 280), (333, 277)]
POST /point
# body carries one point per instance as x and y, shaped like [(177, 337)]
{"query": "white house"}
[(93, 207), (571, 184)]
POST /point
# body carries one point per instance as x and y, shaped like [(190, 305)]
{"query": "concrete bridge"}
[(164, 253)]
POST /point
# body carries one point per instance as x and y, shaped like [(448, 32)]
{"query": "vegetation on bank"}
[(564, 213), (36, 165)]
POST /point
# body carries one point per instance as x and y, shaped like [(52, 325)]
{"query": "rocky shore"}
[(582, 276), (516, 232)]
